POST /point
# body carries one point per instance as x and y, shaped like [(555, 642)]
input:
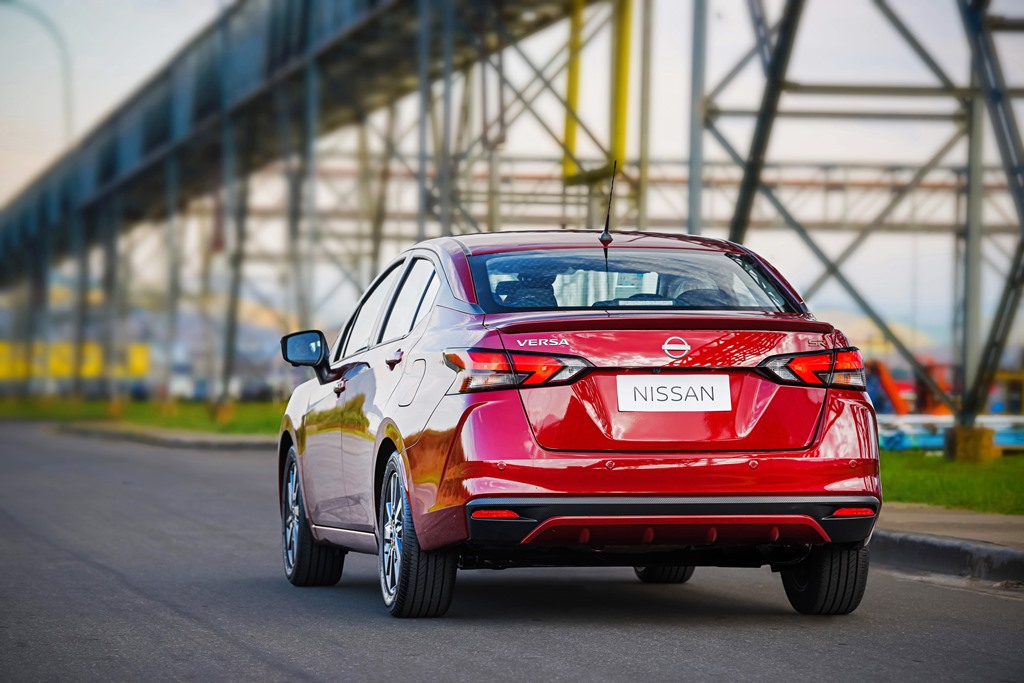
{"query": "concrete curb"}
[(944, 555), (168, 439)]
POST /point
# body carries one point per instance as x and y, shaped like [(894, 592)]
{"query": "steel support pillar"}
[(646, 33), (494, 188), (172, 226), (111, 231), (766, 118), (698, 114), (970, 319), (572, 86), (235, 207), (30, 322), (445, 186), (425, 105), (294, 177), (81, 309), (381, 201), (44, 308), (311, 119)]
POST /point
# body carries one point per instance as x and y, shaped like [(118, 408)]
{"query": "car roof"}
[(492, 242)]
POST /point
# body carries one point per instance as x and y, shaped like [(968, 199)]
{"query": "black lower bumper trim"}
[(535, 511)]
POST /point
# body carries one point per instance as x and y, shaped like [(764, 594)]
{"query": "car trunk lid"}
[(685, 382)]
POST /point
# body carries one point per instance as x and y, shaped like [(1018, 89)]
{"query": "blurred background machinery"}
[(257, 182)]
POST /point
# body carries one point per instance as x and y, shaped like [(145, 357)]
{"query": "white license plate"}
[(673, 393)]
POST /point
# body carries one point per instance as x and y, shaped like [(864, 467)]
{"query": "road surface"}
[(128, 562)]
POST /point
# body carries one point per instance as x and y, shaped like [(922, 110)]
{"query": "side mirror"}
[(307, 348)]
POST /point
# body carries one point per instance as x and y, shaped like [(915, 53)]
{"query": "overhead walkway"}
[(218, 107)]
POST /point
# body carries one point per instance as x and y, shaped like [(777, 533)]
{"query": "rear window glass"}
[(628, 278)]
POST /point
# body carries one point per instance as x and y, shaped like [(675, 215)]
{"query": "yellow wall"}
[(58, 358)]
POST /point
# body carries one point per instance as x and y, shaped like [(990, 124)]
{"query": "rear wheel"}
[(664, 574), (830, 581), (414, 582), (306, 562)]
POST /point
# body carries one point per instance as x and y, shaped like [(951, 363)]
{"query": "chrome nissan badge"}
[(675, 347)]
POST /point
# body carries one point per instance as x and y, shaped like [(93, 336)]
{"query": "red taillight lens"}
[(811, 369), (495, 514), (492, 369), (853, 512), (842, 368), (543, 369)]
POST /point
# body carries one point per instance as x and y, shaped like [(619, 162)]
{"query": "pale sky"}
[(115, 45)]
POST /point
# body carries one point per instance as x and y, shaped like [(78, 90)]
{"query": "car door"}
[(334, 411), (382, 368)]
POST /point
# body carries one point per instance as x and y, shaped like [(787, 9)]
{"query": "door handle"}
[(340, 387), (395, 359)]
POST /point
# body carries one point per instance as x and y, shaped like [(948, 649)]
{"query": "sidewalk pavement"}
[(171, 438), (908, 536), (934, 539)]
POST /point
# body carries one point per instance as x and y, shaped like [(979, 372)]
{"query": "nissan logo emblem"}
[(675, 347)]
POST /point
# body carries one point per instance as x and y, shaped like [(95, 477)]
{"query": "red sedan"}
[(526, 399)]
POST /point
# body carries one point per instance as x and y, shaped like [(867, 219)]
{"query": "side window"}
[(402, 317), (428, 299), (362, 325)]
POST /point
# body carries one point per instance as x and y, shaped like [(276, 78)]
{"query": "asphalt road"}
[(127, 562)]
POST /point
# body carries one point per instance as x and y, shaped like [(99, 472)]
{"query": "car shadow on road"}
[(600, 598), (560, 596)]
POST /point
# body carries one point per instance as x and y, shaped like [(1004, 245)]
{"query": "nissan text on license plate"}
[(673, 393)]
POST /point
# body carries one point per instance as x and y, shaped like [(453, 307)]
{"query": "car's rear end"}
[(658, 404)]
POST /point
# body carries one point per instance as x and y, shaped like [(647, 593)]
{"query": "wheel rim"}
[(291, 517), (392, 535)]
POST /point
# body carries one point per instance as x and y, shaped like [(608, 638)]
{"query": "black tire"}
[(830, 581), (664, 574), (414, 582), (306, 562)]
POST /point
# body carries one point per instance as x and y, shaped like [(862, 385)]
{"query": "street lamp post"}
[(65, 59)]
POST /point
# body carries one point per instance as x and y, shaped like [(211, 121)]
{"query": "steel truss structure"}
[(295, 145), (988, 90)]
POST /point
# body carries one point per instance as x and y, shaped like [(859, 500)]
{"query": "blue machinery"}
[(257, 92)]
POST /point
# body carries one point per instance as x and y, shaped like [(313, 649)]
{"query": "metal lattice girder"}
[(762, 39), (802, 232), (884, 214), (915, 44), (1009, 302), (989, 74), (993, 87), (766, 118)]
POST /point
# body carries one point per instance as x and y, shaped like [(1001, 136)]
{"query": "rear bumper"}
[(659, 522)]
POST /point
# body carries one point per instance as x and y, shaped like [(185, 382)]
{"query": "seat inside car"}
[(530, 290)]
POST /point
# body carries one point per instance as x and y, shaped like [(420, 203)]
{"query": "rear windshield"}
[(627, 278)]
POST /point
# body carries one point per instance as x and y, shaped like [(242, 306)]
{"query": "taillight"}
[(841, 368), (481, 369), (849, 370)]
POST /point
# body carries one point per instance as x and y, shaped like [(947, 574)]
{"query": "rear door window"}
[(410, 299), (360, 331)]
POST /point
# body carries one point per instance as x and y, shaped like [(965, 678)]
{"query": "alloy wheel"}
[(291, 517), (391, 547)]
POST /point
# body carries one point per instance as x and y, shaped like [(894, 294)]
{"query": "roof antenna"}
[(606, 237)]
